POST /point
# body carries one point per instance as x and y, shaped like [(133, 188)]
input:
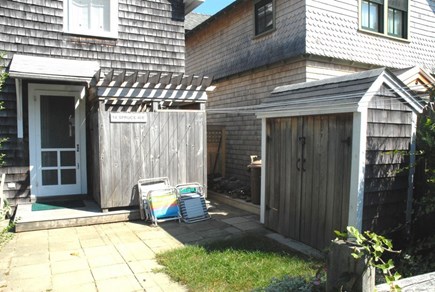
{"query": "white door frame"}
[(79, 92)]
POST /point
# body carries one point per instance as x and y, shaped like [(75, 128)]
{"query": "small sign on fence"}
[(128, 117)]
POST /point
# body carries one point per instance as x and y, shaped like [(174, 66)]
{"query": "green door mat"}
[(57, 205)]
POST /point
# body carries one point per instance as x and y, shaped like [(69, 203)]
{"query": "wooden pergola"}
[(150, 90)]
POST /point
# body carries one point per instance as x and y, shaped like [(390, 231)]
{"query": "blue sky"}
[(210, 7)]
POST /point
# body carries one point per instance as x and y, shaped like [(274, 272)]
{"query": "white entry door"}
[(57, 140)]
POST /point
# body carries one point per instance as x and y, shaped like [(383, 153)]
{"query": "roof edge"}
[(213, 17), (339, 79)]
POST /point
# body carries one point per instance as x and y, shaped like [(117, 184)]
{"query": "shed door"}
[(307, 181)]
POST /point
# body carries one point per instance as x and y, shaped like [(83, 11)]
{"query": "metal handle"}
[(298, 164)]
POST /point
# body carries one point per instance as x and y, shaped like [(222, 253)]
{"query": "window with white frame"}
[(264, 16), (91, 17), (389, 17)]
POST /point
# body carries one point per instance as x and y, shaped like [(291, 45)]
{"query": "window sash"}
[(372, 16), (263, 16), (396, 22), (386, 17), (91, 17)]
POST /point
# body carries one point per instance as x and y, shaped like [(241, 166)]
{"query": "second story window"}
[(372, 15), (91, 17), (397, 18), (264, 16), (389, 17)]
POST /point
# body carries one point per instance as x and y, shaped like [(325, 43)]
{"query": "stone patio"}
[(111, 257)]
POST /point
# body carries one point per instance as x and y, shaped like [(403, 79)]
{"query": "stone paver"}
[(111, 257)]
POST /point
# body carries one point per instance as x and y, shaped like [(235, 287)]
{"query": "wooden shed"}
[(338, 152), (145, 125)]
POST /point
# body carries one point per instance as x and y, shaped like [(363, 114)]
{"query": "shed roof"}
[(46, 68), (346, 93)]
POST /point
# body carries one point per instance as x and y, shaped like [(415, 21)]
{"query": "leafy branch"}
[(373, 246)]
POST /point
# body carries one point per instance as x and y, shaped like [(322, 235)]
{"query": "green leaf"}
[(397, 276), (340, 235), (356, 255)]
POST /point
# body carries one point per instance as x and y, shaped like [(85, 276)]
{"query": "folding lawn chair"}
[(192, 202), (162, 205), (146, 185)]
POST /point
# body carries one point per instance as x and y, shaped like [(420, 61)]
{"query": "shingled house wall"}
[(332, 31), (150, 37), (312, 40)]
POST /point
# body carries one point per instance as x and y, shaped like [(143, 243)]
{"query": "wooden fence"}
[(170, 143)]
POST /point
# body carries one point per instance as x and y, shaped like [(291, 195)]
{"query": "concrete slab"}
[(240, 204), (296, 245), (90, 214), (111, 271), (122, 283), (235, 220)]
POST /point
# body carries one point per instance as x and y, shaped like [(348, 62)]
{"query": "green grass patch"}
[(240, 264)]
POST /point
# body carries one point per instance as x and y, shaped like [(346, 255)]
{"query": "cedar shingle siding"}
[(150, 37), (313, 40), (332, 31), (228, 44)]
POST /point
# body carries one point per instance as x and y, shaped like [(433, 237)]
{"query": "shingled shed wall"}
[(343, 144), (389, 136)]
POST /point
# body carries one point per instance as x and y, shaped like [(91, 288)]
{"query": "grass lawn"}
[(239, 264)]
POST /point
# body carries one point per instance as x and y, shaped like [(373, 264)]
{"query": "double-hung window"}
[(388, 17), (397, 18), (264, 16), (372, 15), (91, 17)]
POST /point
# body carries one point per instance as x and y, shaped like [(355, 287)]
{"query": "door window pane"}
[(68, 176), (49, 177), (67, 158), (57, 122), (49, 158)]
